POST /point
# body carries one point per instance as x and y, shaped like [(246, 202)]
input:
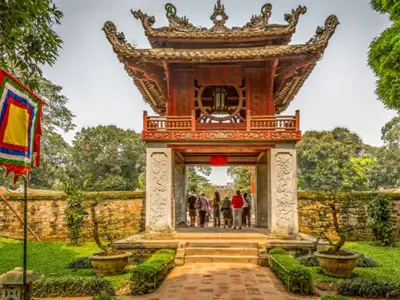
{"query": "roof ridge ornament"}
[(147, 21), (260, 21), (323, 34), (219, 17), (176, 22), (293, 17), (116, 38)]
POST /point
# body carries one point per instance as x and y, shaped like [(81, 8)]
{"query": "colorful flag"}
[(20, 131)]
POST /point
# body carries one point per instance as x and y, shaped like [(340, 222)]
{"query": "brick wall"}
[(46, 213), (357, 216)]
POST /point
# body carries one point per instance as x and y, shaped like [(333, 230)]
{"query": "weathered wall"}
[(357, 215), (46, 213)]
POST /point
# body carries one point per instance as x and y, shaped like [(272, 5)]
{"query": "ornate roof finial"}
[(293, 17), (219, 17), (323, 34), (175, 22), (147, 21), (261, 21)]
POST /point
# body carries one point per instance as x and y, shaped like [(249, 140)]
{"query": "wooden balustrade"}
[(163, 123), (252, 123)]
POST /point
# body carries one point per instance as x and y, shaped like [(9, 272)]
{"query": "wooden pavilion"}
[(219, 93)]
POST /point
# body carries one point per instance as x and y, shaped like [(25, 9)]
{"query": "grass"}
[(387, 258), (51, 259)]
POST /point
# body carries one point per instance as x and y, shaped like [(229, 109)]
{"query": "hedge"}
[(334, 297), (69, 286), (371, 288), (147, 276), (296, 277)]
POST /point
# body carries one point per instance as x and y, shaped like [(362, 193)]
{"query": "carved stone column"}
[(180, 195), (159, 177), (282, 209), (261, 203)]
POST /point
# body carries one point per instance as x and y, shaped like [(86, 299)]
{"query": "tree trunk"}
[(95, 229)]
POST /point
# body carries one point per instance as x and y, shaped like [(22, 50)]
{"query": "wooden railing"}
[(164, 123), (273, 122), (253, 123)]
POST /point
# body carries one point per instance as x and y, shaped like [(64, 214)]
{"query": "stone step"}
[(221, 244), (221, 259), (221, 251)]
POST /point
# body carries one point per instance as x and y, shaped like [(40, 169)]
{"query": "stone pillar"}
[(261, 203), (159, 178), (180, 195), (282, 209)]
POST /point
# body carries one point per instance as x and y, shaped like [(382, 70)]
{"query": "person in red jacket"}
[(237, 204)]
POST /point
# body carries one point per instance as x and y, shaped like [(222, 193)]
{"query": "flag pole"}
[(24, 295)]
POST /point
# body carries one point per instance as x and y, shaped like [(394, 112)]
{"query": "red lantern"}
[(218, 160)]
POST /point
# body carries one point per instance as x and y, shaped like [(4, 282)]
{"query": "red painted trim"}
[(221, 146)]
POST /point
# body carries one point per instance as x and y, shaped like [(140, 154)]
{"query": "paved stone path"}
[(212, 281)]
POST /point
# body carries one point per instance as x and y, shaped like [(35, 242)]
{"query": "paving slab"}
[(214, 281)]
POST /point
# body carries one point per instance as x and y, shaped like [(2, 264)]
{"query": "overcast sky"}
[(339, 92)]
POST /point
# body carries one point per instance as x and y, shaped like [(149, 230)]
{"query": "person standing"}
[(203, 206), (192, 210), (237, 204), (246, 210), (216, 209), (226, 212)]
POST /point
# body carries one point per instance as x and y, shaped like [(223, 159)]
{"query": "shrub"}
[(381, 221), (334, 297), (104, 296), (309, 260), (69, 286), (80, 263), (147, 276), (364, 261), (370, 288), (296, 277)]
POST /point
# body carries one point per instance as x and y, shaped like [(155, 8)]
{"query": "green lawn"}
[(50, 259), (387, 258)]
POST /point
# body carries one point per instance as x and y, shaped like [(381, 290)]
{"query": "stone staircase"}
[(221, 251)]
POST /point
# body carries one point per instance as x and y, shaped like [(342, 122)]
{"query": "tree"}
[(384, 53), (197, 182), (113, 158), (386, 173), (241, 177), (55, 152), (27, 38), (333, 160)]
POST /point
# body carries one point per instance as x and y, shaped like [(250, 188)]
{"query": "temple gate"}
[(219, 93)]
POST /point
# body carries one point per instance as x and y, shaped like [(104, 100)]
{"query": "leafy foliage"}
[(80, 263), (74, 211), (113, 158), (147, 276), (296, 277), (71, 286), (334, 297), (365, 287), (196, 182), (241, 177), (384, 53), (333, 160), (104, 296), (27, 38), (381, 221)]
